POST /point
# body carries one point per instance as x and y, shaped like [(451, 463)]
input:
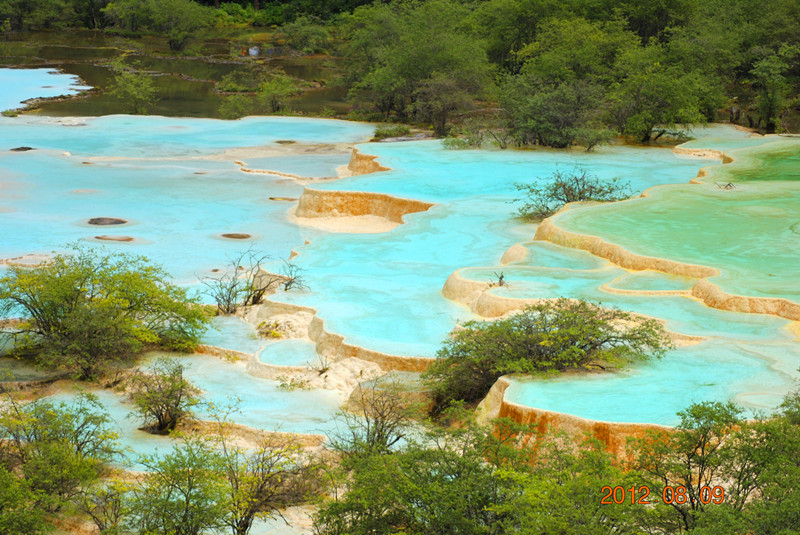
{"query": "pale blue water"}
[(297, 352), (23, 84), (709, 371), (262, 403), (306, 165), (158, 137), (232, 332), (171, 179), (125, 424), (653, 281)]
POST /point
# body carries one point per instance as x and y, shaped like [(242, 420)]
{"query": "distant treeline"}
[(575, 71), (548, 72), (45, 14)]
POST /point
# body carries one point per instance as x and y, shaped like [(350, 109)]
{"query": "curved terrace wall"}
[(613, 435), (622, 257), (332, 345)]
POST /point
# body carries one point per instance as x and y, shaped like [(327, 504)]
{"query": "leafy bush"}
[(163, 396), (542, 200), (136, 89), (384, 131), (58, 448), (552, 336), (184, 492), (235, 107), (178, 20), (276, 89), (241, 81), (19, 510), (270, 15), (455, 143), (306, 35), (88, 310), (237, 13), (447, 481)]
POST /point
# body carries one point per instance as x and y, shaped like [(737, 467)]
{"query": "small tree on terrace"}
[(163, 396), (91, 309), (381, 418), (277, 473), (276, 89), (548, 337), (58, 449), (245, 282), (543, 199), (136, 89)]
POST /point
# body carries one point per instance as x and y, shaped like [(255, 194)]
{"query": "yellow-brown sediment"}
[(364, 164), (612, 435), (329, 203)]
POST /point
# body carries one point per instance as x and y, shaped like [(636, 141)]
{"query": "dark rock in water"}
[(236, 236), (109, 237), (22, 149), (285, 141), (106, 221), (290, 199)]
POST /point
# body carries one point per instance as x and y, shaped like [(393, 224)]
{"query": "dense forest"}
[(521, 72)]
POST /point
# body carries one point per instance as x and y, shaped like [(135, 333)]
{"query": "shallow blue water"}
[(179, 190), (19, 85), (297, 352)]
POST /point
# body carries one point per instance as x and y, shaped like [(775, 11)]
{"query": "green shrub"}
[(543, 199), (240, 81), (235, 107), (276, 89), (163, 396), (237, 13), (306, 35), (270, 15), (59, 449), (92, 309), (394, 130), (455, 143), (135, 89), (552, 336)]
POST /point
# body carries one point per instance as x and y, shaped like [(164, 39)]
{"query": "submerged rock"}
[(109, 237), (106, 221), (236, 236)]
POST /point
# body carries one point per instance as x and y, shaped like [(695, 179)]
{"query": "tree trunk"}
[(440, 124)]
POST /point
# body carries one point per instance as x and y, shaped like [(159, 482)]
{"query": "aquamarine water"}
[(176, 183), (292, 352), (652, 281), (23, 84)]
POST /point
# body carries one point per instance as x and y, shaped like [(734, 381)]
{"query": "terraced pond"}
[(180, 185)]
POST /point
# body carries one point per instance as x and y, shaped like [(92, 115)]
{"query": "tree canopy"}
[(552, 336), (89, 309)]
